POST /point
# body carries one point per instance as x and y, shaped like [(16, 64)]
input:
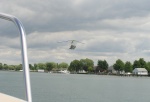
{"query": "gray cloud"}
[(64, 15), (109, 29)]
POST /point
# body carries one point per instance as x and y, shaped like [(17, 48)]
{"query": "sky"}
[(109, 29)]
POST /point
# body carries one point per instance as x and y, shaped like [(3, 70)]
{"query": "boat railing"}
[(25, 64)]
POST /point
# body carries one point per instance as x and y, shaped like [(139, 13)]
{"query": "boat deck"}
[(7, 98)]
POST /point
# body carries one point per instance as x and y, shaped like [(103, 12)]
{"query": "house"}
[(112, 70), (41, 70), (140, 71)]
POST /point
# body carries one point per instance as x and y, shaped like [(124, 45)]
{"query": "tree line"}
[(83, 64), (48, 66), (129, 67), (102, 65)]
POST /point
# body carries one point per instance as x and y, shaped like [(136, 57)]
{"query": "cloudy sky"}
[(109, 29)]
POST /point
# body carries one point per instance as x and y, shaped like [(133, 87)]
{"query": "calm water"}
[(77, 88)]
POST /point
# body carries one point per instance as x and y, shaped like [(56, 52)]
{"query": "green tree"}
[(136, 64), (143, 63), (54, 65), (148, 66), (50, 66), (99, 65), (11, 67), (105, 65), (86, 63), (102, 65), (1, 66), (128, 67), (63, 65), (90, 69), (18, 67), (31, 67), (5, 66), (119, 65), (75, 65), (35, 66), (41, 66)]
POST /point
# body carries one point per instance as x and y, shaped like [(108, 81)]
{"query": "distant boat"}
[(64, 72)]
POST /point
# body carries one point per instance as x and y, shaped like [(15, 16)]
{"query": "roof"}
[(111, 68), (140, 69)]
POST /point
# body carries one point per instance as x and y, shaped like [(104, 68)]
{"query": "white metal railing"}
[(25, 64)]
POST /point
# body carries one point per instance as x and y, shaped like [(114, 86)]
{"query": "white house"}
[(41, 70), (140, 71)]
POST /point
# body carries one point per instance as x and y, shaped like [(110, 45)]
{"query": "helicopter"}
[(72, 42)]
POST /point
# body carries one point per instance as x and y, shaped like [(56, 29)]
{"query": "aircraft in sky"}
[(72, 43)]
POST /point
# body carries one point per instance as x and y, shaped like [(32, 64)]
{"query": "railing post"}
[(23, 52)]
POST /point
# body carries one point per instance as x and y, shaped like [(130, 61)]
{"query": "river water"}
[(48, 87)]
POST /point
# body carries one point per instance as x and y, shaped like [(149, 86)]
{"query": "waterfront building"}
[(140, 71)]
